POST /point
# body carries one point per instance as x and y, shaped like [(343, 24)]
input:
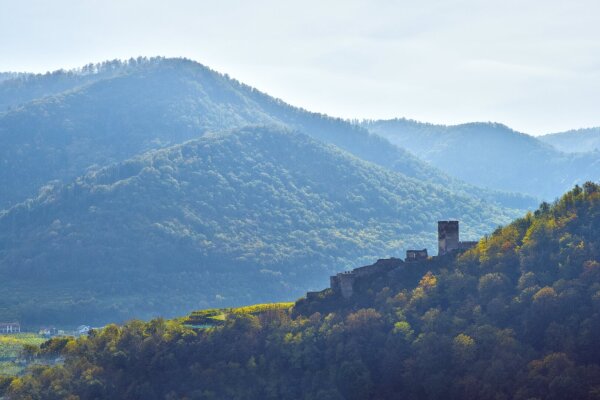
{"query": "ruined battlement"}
[(449, 238), (343, 282), (416, 255)]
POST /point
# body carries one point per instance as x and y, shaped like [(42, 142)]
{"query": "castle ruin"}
[(449, 239), (448, 242)]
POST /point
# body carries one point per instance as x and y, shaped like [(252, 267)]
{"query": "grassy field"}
[(10, 348)]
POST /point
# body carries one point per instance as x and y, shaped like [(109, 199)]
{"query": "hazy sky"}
[(533, 65)]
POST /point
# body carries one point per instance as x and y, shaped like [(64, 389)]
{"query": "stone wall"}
[(467, 245), (416, 255), (343, 282)]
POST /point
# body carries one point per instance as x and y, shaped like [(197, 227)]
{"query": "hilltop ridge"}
[(514, 317)]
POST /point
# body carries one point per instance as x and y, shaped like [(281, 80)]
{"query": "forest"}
[(57, 126), (516, 317), (224, 220), (153, 186)]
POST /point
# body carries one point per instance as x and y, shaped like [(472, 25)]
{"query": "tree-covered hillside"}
[(22, 88), (8, 75), (492, 155), (517, 317), (227, 219), (575, 141), (59, 125)]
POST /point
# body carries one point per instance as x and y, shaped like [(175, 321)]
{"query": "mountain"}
[(575, 141), (227, 219), (59, 125), (516, 317), (492, 155), (21, 88)]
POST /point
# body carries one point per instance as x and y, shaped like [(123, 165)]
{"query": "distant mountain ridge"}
[(227, 219), (492, 155), (574, 141), (120, 109)]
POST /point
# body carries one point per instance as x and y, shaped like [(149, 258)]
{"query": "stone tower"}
[(447, 237)]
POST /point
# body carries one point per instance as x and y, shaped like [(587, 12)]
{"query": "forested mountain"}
[(517, 317), (226, 219), (492, 155), (59, 125), (575, 141), (22, 88)]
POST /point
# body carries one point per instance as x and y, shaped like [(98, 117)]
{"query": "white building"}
[(10, 327)]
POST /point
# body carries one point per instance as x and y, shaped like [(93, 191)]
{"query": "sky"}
[(532, 65)]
